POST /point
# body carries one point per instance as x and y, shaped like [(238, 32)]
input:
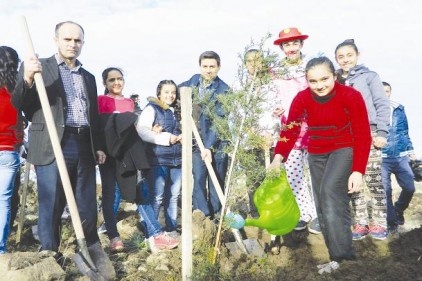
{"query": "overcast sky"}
[(155, 40)]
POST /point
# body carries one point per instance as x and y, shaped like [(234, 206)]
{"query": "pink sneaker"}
[(164, 241), (116, 245), (378, 232), (360, 231)]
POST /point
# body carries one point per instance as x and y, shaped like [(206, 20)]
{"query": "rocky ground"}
[(397, 258)]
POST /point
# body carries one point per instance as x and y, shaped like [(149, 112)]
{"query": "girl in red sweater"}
[(339, 141), (10, 139)]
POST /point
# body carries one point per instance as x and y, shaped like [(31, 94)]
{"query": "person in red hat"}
[(289, 79)]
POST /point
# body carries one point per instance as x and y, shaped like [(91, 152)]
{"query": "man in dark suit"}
[(72, 95)]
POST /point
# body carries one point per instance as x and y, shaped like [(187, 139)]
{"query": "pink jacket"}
[(287, 89)]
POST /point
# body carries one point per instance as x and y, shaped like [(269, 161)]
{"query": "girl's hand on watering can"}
[(276, 163)]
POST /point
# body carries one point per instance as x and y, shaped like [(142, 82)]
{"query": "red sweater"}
[(11, 125), (338, 120), (108, 104)]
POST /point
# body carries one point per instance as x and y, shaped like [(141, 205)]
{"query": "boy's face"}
[(253, 62), (387, 90), (209, 69), (292, 49)]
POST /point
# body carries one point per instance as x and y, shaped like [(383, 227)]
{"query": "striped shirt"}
[(77, 109)]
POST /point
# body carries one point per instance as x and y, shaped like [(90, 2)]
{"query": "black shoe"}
[(392, 229), (301, 225), (274, 246), (399, 217), (314, 226)]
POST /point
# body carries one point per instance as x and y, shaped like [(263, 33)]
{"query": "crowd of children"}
[(347, 133)]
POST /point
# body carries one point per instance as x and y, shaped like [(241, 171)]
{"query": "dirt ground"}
[(397, 258)]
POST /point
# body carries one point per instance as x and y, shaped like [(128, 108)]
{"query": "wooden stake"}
[(187, 181)]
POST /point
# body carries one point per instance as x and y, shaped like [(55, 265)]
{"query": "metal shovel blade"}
[(252, 246), (85, 263), (84, 267)]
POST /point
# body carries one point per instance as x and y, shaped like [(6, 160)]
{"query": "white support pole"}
[(187, 182)]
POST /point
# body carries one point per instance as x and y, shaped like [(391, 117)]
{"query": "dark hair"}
[(105, 73), (318, 61), (134, 96), (347, 42), (167, 82), (209, 55), (9, 62), (176, 103), (56, 30), (386, 84), (251, 51)]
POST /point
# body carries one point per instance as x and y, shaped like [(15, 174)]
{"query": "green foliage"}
[(137, 242), (203, 268), (239, 126)]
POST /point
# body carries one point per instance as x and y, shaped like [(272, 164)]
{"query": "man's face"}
[(292, 49), (209, 69), (387, 90), (69, 41)]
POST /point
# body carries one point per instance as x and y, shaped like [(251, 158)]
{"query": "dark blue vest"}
[(160, 155)]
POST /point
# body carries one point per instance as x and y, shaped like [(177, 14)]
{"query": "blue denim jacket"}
[(398, 140), (217, 87)]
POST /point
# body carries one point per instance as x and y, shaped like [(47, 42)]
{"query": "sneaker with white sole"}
[(301, 225), (66, 213), (102, 229), (359, 232), (162, 241), (378, 232), (328, 267), (116, 245), (314, 227)]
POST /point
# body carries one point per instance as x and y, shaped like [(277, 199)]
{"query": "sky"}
[(155, 40)]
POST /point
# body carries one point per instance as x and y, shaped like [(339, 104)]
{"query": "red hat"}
[(290, 34)]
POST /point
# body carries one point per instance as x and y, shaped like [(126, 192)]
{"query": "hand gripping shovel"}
[(82, 258)]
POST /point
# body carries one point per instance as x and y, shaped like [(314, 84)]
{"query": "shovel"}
[(243, 245), (82, 258)]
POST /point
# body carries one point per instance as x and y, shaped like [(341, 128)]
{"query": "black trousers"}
[(330, 174)]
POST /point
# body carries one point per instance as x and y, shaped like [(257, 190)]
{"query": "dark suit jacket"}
[(27, 100)]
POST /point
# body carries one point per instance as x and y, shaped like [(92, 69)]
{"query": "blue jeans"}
[(80, 165), (208, 202), (330, 174), (164, 183), (401, 169), (146, 212), (108, 193), (117, 198), (9, 165)]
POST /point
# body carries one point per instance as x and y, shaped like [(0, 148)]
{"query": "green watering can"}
[(276, 204)]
